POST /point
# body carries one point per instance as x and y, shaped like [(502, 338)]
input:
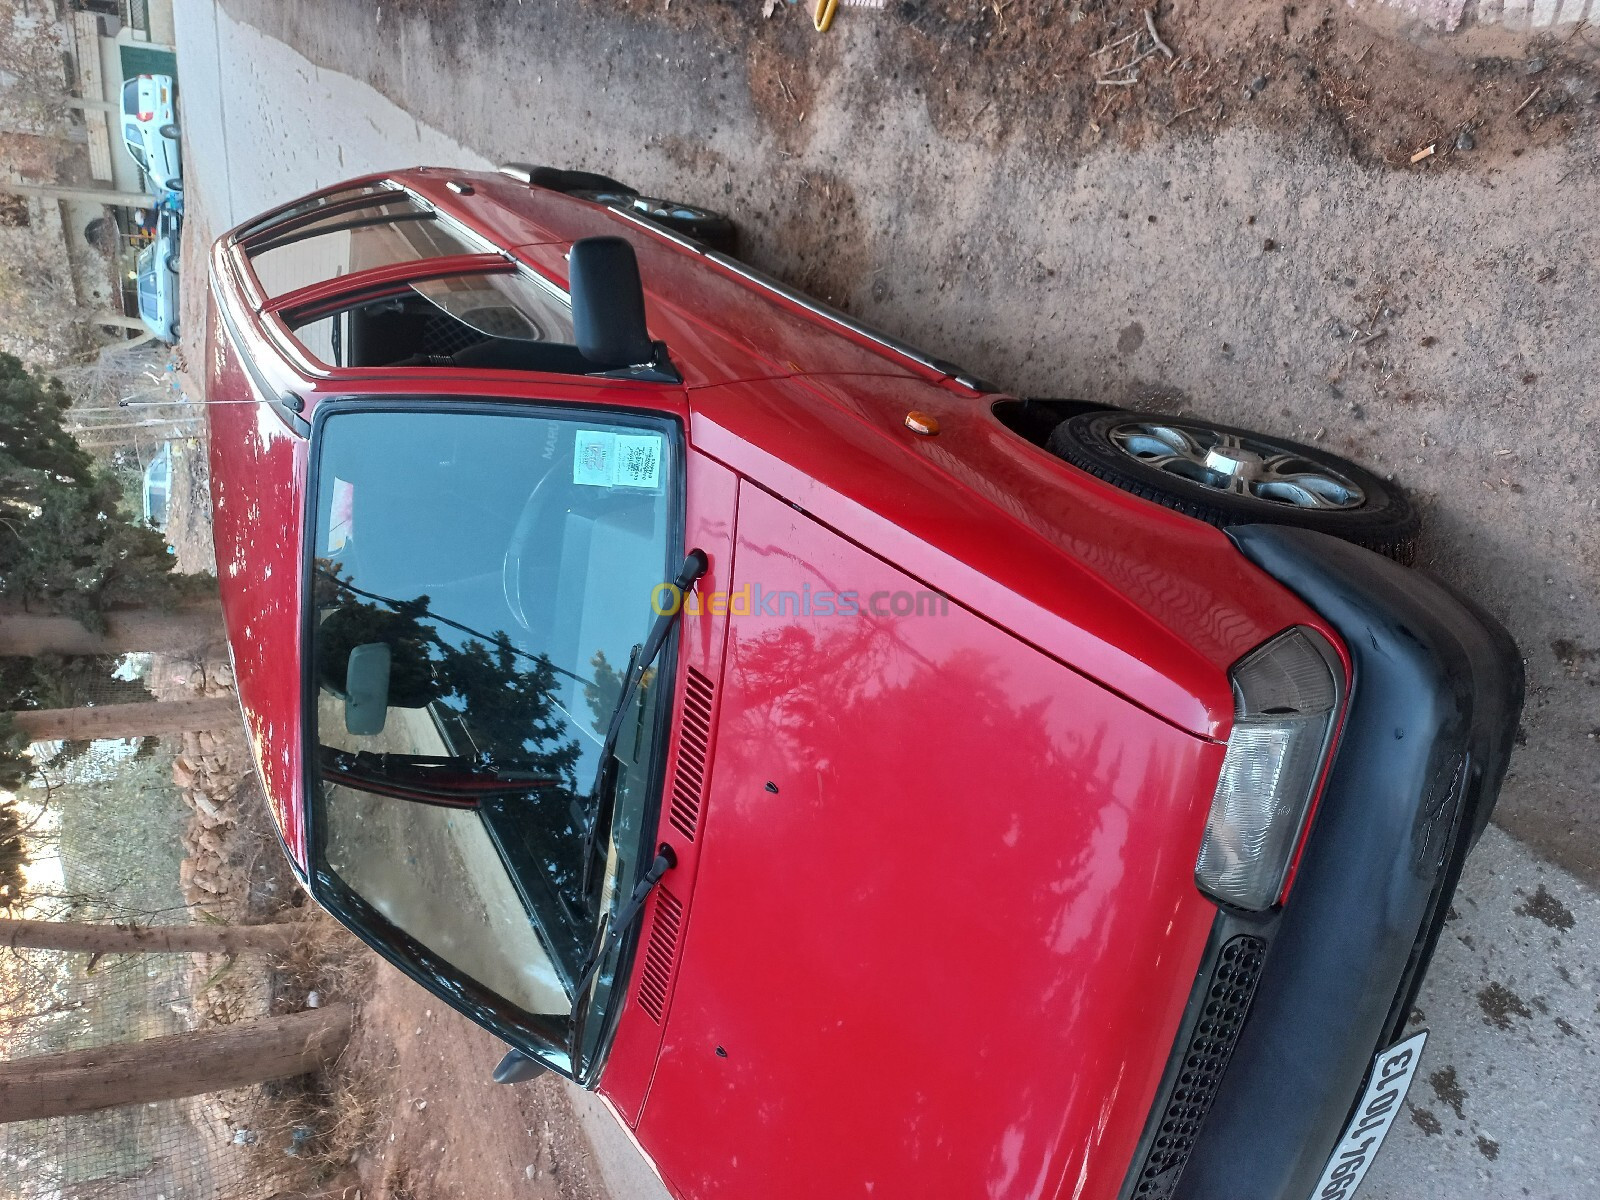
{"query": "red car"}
[(869, 783)]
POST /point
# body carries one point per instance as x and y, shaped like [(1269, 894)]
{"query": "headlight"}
[(1285, 703)]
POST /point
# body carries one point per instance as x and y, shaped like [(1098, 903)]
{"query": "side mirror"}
[(517, 1067), (608, 304), (366, 689)]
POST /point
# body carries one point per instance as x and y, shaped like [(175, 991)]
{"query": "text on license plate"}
[(1392, 1072)]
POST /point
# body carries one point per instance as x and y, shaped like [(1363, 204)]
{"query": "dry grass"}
[(311, 1130), (323, 1125), (324, 958)]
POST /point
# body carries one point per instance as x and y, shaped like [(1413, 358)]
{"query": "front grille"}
[(1234, 973)]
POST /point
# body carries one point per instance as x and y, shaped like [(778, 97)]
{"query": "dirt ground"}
[(435, 1065), (1066, 77)]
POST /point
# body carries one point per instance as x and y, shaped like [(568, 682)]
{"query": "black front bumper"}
[(1291, 1006)]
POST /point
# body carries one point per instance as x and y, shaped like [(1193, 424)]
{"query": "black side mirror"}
[(517, 1067), (608, 304)]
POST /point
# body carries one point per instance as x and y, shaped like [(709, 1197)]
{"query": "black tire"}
[(175, 185), (170, 131), (1344, 499), (172, 264), (704, 225)]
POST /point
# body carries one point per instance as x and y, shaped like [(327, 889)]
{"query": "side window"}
[(136, 146), (503, 320), (301, 207), (392, 230)]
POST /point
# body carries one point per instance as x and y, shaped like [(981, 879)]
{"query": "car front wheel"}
[(1227, 476), (704, 225)]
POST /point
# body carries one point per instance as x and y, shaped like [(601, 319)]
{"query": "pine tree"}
[(65, 545)]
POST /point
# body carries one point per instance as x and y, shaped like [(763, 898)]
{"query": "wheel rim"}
[(1237, 465), (667, 210)]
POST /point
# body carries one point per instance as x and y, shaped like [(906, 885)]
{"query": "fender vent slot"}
[(1205, 1057), (656, 975), (688, 780)]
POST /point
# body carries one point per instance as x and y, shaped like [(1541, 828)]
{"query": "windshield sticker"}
[(339, 514), (601, 459)]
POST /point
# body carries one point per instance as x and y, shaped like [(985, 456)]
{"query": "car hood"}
[(942, 923), (258, 470)]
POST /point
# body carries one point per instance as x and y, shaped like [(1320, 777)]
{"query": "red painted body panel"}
[(947, 956), (1150, 603), (712, 505), (257, 500), (682, 288)]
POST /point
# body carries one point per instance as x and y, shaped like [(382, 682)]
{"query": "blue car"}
[(158, 487), (158, 276)]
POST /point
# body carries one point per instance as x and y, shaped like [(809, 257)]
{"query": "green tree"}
[(503, 695), (506, 701), (65, 544)]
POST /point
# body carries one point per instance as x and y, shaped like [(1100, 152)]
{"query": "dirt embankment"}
[(1066, 77)]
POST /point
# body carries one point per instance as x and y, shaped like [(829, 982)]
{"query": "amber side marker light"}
[(921, 422)]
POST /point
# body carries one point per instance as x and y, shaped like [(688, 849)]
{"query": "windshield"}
[(479, 582)]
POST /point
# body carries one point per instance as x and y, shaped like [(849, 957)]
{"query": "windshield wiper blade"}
[(665, 860), (428, 779), (610, 938), (605, 777)]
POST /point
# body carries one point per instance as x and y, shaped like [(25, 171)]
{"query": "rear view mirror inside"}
[(366, 689)]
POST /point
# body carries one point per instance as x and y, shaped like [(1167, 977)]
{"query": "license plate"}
[(1392, 1072)]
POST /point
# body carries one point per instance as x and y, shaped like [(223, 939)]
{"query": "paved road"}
[(1507, 1102)]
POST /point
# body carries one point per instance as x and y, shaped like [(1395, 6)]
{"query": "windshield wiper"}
[(607, 941), (429, 779), (602, 793)]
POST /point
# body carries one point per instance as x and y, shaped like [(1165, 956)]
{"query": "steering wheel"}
[(550, 496), (521, 549)]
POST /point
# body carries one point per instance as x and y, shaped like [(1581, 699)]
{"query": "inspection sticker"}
[(603, 459)]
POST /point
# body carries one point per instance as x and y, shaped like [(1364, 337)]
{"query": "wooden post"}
[(127, 720), (166, 1068), (82, 195), (116, 321), (140, 939), (192, 631)]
